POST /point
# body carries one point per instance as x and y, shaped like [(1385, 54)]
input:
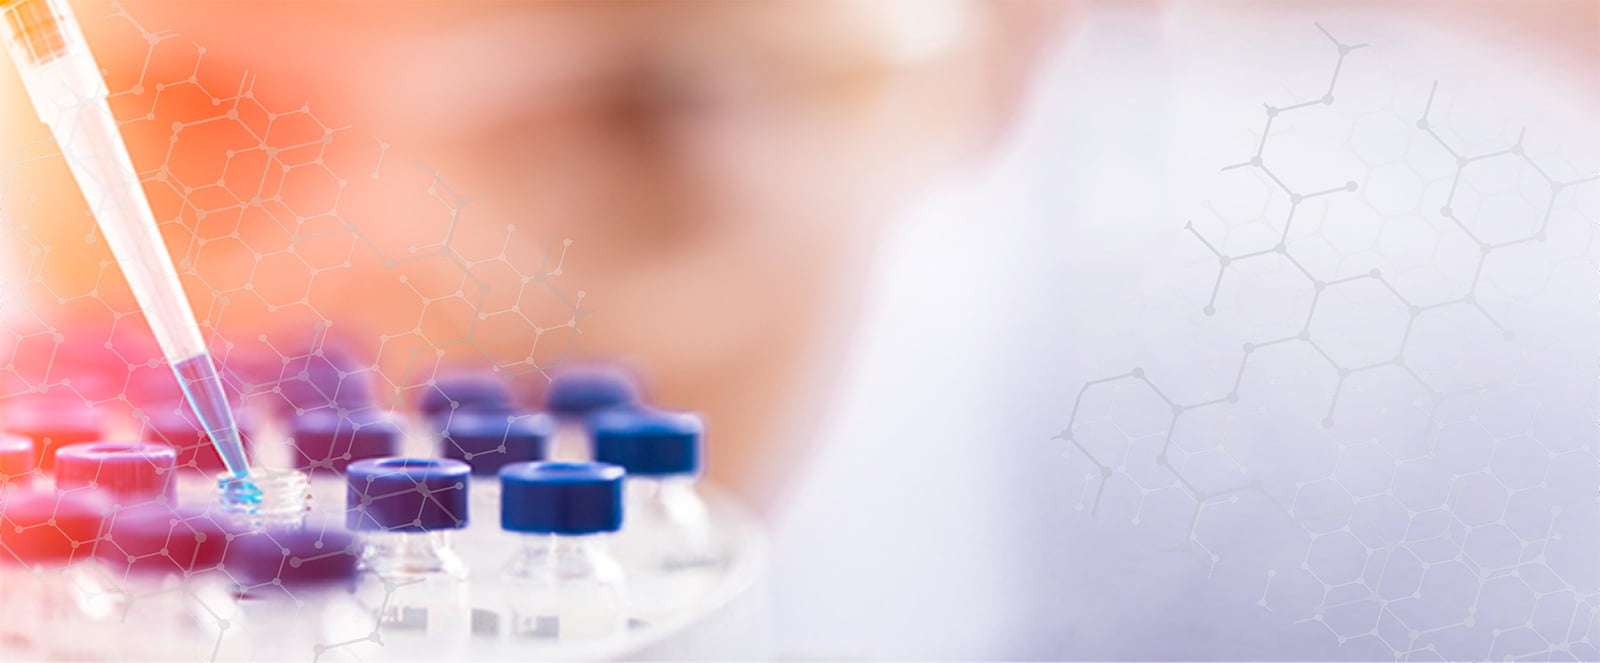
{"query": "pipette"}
[(69, 95)]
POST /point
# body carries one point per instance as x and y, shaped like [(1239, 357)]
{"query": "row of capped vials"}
[(487, 544)]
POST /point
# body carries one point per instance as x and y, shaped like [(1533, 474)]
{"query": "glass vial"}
[(667, 544), (296, 595), (562, 584), (406, 510), (266, 498), (487, 441)]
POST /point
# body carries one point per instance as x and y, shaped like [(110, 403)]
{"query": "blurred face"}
[(693, 186)]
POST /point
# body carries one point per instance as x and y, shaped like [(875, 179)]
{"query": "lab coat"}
[(1442, 505)]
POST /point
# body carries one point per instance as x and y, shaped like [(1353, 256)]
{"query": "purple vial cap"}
[(159, 539), (288, 558), (465, 391), (328, 440), (329, 378), (489, 441), (47, 529), (131, 472), (581, 390), (407, 494), (53, 422)]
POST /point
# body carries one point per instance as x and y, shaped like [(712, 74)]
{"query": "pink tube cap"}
[(132, 472)]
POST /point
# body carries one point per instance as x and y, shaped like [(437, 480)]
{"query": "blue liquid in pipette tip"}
[(203, 387)]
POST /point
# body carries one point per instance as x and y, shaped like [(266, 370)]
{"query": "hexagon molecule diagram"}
[(254, 195), (1414, 278)]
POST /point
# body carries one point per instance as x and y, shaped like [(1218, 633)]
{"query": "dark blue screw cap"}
[(648, 442), (468, 391), (561, 498), (489, 441), (407, 494), (581, 390), (328, 440)]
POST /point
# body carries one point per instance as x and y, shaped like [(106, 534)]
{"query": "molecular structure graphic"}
[(257, 204), (256, 196), (1382, 461)]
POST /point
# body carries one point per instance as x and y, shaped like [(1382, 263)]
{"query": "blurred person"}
[(707, 177)]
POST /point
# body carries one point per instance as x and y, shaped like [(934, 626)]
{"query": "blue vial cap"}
[(561, 498), (328, 440), (465, 392), (648, 442), (581, 390), (406, 494), (489, 441)]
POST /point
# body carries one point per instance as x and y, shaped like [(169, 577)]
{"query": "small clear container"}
[(563, 584), (296, 595), (668, 546), (267, 498), (406, 510)]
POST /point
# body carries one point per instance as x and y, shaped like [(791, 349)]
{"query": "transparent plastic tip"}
[(69, 95), (41, 28), (203, 387)]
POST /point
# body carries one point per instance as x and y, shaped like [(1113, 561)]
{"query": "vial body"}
[(571, 441), (564, 589), (479, 543), (171, 618), (667, 545), (417, 585), (304, 626)]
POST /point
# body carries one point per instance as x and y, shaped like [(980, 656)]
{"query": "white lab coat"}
[(946, 519)]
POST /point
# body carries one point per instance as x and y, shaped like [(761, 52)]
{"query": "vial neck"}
[(661, 488), (671, 497), (265, 498), (412, 553), (565, 545)]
